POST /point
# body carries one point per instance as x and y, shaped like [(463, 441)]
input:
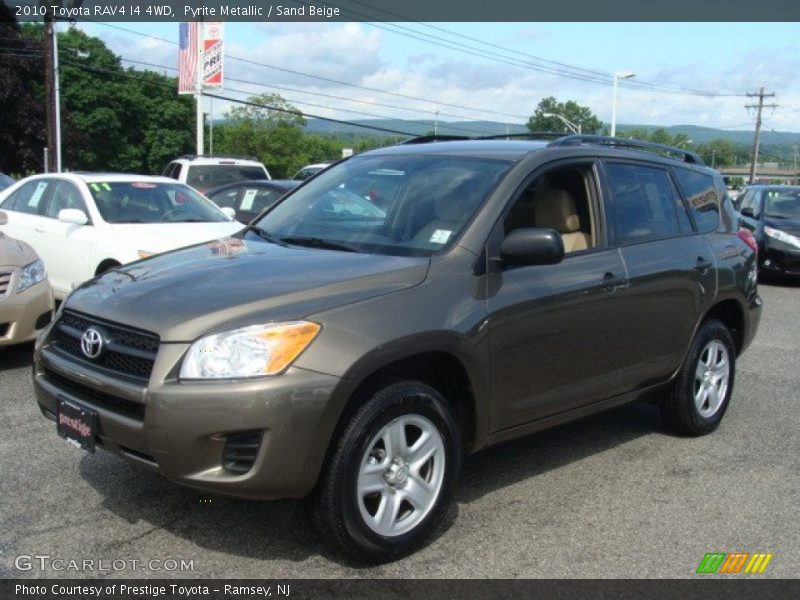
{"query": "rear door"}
[(25, 208), (670, 268)]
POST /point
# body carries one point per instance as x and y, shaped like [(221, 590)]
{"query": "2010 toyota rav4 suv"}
[(355, 357)]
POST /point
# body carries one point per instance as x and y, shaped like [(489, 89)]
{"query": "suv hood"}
[(230, 283)]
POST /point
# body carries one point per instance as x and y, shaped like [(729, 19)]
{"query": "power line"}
[(294, 101), (238, 101)]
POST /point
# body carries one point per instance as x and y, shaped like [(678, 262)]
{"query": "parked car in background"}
[(772, 214), (84, 224), (5, 181), (310, 171), (249, 198), (26, 300), (204, 173), (358, 356)]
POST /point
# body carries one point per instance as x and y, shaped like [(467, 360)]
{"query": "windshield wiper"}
[(266, 235), (315, 242)]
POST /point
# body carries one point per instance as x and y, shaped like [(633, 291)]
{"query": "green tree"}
[(718, 152), (269, 128), (22, 134), (572, 111)]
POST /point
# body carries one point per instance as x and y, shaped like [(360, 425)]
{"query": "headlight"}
[(31, 275), (249, 352), (782, 236)]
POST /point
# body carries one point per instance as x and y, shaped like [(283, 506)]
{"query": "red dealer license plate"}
[(76, 423)]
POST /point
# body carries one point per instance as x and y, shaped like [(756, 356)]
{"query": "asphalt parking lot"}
[(610, 496)]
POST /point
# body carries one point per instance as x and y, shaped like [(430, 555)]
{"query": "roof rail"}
[(531, 135), (427, 139), (576, 140), (231, 156)]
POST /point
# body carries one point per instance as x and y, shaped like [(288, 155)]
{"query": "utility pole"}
[(756, 141), (49, 88)]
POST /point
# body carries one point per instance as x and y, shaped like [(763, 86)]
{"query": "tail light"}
[(748, 238)]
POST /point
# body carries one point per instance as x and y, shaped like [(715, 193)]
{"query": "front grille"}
[(241, 451), (128, 352), (5, 282), (115, 404)]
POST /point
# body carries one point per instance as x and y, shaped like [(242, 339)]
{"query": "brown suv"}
[(354, 356)]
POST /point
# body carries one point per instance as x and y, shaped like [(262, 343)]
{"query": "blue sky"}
[(727, 58)]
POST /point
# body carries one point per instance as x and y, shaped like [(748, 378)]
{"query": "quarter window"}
[(699, 190), (643, 204)]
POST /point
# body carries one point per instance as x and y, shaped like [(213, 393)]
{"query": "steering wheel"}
[(177, 209)]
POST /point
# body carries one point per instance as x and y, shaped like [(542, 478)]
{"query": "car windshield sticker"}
[(37, 194), (142, 184), (440, 236), (247, 201), (95, 187)]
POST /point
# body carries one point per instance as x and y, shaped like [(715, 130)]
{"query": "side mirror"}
[(747, 211), (3, 218), (229, 211), (73, 215), (523, 247)]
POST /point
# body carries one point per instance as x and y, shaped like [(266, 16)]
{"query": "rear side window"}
[(172, 170), (703, 198), (205, 177), (29, 198), (643, 204)]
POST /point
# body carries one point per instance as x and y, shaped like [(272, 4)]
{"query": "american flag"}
[(187, 58)]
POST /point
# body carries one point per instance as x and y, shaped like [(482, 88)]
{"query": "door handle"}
[(701, 264), (611, 282), (39, 228)]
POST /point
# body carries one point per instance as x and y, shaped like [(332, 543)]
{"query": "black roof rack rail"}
[(231, 156), (427, 139), (576, 140), (531, 135)]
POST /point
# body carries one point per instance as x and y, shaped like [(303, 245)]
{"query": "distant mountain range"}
[(698, 135)]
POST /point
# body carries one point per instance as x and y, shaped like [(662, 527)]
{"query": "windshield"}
[(401, 205), (148, 202), (782, 204), (206, 177)]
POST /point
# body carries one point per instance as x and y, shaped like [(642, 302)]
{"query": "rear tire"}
[(389, 481), (701, 393)]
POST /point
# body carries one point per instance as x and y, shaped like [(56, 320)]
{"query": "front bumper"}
[(181, 429), (23, 316), (780, 258)]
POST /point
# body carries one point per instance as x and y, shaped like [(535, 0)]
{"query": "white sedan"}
[(84, 224)]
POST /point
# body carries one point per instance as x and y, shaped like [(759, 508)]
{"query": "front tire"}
[(701, 393), (391, 476)]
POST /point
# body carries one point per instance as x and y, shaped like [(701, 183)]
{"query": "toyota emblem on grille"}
[(92, 343)]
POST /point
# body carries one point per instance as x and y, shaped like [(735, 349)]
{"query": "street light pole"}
[(617, 76), (567, 122)]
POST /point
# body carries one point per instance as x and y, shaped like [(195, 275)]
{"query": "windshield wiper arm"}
[(267, 235), (315, 242)]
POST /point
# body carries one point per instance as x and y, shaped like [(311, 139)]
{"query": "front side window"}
[(703, 198), (401, 205), (65, 195), (643, 204), (147, 202)]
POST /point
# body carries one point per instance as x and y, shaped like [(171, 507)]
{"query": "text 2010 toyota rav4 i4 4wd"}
[(354, 356)]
